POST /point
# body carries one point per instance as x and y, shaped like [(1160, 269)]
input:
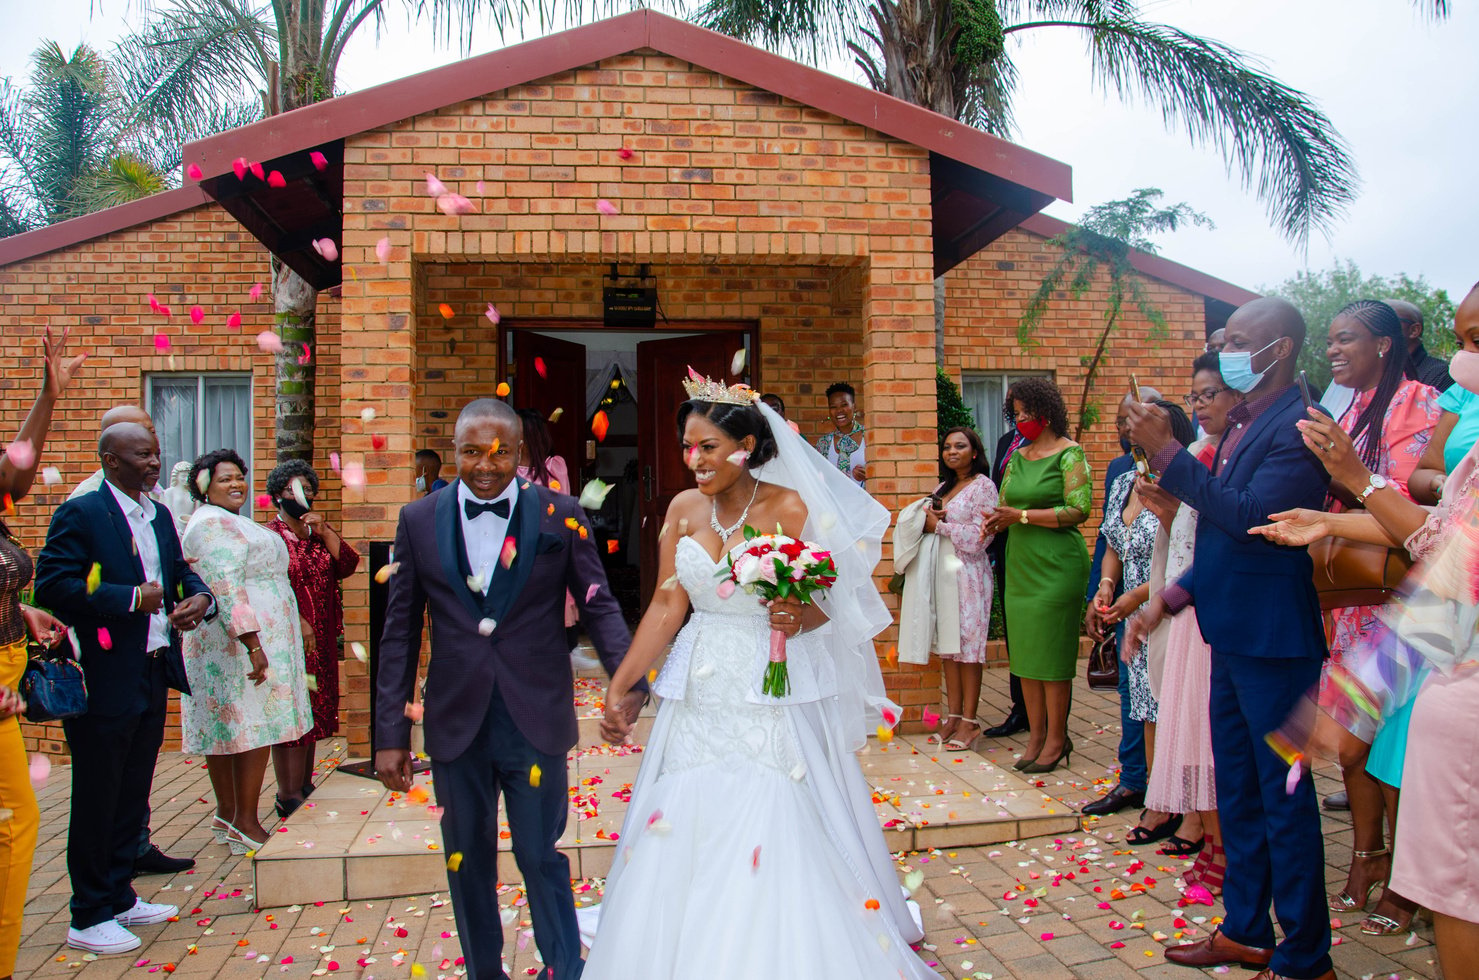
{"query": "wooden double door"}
[(662, 364)]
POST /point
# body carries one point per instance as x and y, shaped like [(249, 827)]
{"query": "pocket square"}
[(549, 543)]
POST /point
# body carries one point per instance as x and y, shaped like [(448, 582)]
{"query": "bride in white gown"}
[(751, 849)]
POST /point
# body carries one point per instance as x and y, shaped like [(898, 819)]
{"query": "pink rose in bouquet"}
[(774, 566)]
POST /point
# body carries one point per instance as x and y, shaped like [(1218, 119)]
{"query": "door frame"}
[(751, 327)]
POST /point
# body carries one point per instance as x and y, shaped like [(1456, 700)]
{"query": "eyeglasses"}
[(1203, 397)]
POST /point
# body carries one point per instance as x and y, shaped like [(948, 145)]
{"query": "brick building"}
[(770, 206)]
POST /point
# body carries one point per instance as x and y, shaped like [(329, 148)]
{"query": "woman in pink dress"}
[(1390, 421), (958, 508)]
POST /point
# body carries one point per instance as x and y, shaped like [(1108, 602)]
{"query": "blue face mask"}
[(1237, 371)]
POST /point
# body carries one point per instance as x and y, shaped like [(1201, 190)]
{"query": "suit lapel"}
[(164, 523), (452, 549), (509, 582), (125, 531), (1256, 427)]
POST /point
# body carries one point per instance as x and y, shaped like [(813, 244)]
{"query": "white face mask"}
[(421, 484)]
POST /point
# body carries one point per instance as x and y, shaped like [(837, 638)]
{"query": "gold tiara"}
[(704, 389)]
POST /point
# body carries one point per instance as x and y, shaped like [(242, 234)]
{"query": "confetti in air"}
[(358, 649), (233, 322), (593, 495), (40, 769), (737, 363), (94, 578), (600, 424), (539, 367), (270, 342), (51, 476), (434, 187), (258, 171), (196, 314), (22, 454), (256, 291), (486, 627), (382, 250), (353, 476), (105, 639), (239, 167), (502, 390), (367, 415), (555, 415), (445, 309), (492, 314), (319, 161), (194, 172), (535, 775), (606, 207), (326, 248), (276, 179)]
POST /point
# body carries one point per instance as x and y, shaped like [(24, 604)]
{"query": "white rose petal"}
[(487, 626)]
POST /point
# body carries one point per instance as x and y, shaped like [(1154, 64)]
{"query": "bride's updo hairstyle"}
[(737, 422)]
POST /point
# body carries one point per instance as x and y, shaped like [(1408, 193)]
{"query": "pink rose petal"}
[(105, 639), (239, 167), (270, 342), (625, 153), (382, 249), (606, 207), (264, 502), (256, 291), (161, 342), (725, 589), (454, 204), (492, 314), (22, 454), (318, 159), (233, 322), (257, 170), (590, 593), (326, 248), (482, 187), (194, 172), (196, 314), (276, 179), (1291, 781), (434, 187), (40, 769), (334, 462), (353, 475)]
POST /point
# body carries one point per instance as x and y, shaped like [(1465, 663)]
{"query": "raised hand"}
[(1327, 440), (59, 371), (1295, 528)]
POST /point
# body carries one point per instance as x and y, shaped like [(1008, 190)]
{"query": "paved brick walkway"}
[(1060, 920)]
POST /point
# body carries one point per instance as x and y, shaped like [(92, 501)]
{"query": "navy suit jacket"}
[(1117, 467), (527, 656), (1254, 598), (92, 528)]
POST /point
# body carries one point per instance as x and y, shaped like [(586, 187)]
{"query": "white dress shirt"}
[(140, 515), (484, 535)]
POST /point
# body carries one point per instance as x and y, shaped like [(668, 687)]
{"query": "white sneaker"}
[(105, 938), (146, 914)]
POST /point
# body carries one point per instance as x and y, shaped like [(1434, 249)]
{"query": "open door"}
[(562, 386), (661, 367)]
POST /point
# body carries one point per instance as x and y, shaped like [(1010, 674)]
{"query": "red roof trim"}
[(18, 248), (1157, 267), (473, 78)]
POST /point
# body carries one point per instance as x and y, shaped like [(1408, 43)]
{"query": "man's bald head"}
[(122, 433), (1412, 322), (1272, 330), (1147, 394), (130, 456), (125, 413), (487, 408)]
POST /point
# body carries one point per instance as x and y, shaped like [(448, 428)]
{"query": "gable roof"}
[(981, 185), (29, 244)]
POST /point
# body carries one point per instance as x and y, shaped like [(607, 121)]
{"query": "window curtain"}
[(619, 364)]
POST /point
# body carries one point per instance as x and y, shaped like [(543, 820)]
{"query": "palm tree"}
[(65, 145), (1102, 242), (198, 58)]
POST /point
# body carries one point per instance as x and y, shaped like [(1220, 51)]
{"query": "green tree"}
[(950, 408), (209, 58), (1099, 246), (1320, 295), (66, 146)]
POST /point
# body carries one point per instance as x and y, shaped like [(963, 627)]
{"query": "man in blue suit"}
[(112, 567), (1258, 610), (492, 557)]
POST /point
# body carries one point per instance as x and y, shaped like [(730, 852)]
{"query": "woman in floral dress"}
[(245, 666), (318, 559)]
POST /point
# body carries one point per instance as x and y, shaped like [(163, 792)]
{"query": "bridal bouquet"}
[(774, 566)]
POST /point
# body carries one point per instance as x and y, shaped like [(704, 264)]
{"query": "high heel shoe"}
[(935, 738), (1344, 902), (286, 808), (240, 843), (1041, 767), (220, 829), (1025, 761), (957, 744)]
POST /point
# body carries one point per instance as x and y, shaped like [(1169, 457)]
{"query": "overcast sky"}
[(1396, 85)]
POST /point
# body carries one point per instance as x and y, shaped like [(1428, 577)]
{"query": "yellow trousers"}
[(22, 818)]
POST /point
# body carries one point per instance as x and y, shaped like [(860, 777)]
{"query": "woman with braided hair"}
[(1390, 420)]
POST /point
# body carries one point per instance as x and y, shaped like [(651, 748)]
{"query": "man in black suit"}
[(112, 568), (492, 557)]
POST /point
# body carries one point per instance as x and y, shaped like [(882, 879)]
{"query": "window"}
[(195, 413), (984, 393)]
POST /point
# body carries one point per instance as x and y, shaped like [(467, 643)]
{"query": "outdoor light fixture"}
[(629, 301)]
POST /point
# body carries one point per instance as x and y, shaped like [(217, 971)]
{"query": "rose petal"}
[(276, 179), (454, 204), (270, 342), (326, 248), (492, 314), (318, 159), (434, 187), (239, 167), (22, 454), (194, 172), (382, 249), (606, 207), (233, 322)]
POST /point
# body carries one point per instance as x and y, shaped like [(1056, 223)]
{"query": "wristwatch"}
[(1023, 518), (1378, 482)]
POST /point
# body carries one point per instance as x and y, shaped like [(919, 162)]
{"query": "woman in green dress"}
[(1045, 496)]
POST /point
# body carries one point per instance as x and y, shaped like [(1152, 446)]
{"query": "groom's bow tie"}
[(472, 508)]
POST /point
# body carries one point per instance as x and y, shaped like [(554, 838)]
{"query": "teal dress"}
[(1047, 568)]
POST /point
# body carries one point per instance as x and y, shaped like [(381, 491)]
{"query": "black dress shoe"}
[(1013, 724), (1114, 801), (156, 862), (1337, 801)]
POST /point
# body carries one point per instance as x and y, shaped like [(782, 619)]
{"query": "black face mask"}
[(292, 508), (1125, 445)]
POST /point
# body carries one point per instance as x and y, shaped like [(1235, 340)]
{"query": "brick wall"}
[(98, 290)]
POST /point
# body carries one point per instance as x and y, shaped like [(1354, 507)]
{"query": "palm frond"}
[(1437, 9), (121, 179), (809, 29), (13, 217), (194, 57), (70, 115), (1279, 143)]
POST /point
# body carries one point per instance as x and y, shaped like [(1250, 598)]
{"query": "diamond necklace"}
[(725, 533)]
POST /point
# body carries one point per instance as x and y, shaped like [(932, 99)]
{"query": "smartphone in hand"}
[(1142, 462), (1304, 390)]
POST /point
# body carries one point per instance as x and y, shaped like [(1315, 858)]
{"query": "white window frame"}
[(992, 430), (247, 453)]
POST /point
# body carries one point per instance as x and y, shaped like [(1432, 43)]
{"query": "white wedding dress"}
[(751, 849)]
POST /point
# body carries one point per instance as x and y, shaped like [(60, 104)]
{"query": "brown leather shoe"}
[(1216, 950), (1271, 975)]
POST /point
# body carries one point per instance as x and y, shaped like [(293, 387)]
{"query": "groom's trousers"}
[(500, 758)]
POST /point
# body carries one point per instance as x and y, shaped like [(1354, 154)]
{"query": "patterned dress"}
[(1134, 543), (315, 577), (246, 567), (964, 514)]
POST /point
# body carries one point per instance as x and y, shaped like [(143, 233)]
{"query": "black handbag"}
[(1103, 671), (53, 687)]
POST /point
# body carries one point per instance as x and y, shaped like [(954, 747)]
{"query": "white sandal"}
[(934, 738)]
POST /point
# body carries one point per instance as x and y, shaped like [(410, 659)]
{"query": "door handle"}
[(647, 481)]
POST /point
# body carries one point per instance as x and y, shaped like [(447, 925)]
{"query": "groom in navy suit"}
[(1257, 607), (492, 557)]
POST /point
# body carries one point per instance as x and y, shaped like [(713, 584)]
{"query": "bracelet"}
[(1106, 579)]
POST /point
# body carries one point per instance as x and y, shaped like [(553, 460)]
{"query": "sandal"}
[(1344, 902), (1149, 835), (1180, 847), (935, 737), (1377, 924), (957, 744), (1215, 871)]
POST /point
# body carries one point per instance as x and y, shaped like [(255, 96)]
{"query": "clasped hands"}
[(187, 613), (621, 716)]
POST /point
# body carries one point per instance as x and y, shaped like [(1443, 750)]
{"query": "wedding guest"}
[(318, 560), (845, 447), (1045, 496), (112, 568), (1435, 864), (1016, 719), (1182, 780), (539, 462), (959, 507), (248, 691), (1134, 775), (778, 406), (114, 415), (1458, 426), (1262, 664), (1421, 366), (428, 471), (1129, 530), (1216, 340), (17, 797), (1390, 420)]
